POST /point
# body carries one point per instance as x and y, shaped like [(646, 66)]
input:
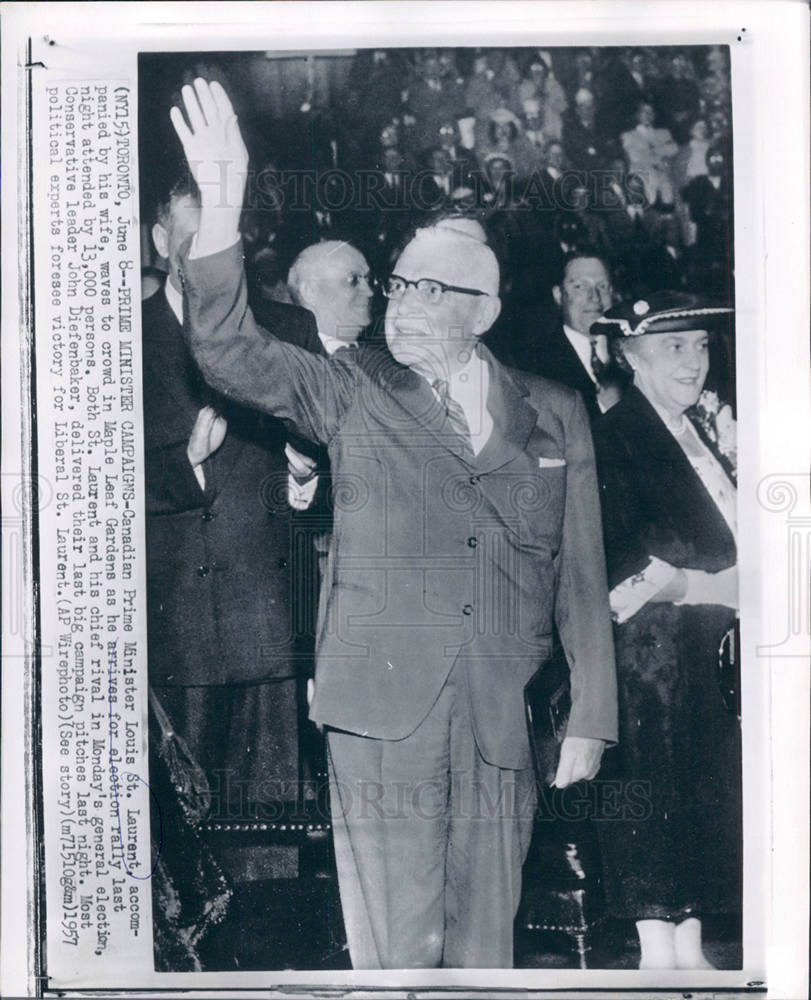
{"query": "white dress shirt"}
[(469, 387), (581, 342)]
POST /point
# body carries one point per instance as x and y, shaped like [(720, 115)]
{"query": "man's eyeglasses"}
[(429, 290), (354, 280)]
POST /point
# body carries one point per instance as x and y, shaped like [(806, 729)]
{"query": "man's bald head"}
[(332, 280), (435, 334), (454, 256)]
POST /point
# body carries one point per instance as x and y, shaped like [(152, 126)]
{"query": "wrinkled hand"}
[(310, 696), (579, 760), (299, 466), (217, 158), (207, 435)]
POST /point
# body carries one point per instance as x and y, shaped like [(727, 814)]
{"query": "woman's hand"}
[(712, 588)]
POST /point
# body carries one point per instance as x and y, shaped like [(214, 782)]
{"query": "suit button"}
[(208, 515), (202, 570), (472, 542), (474, 480), (467, 609), (282, 563)]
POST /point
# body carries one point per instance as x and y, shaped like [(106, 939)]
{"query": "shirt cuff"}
[(300, 495)]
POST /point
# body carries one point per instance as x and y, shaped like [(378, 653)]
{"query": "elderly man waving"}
[(466, 522)]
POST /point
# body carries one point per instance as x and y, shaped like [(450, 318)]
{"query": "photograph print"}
[(440, 466)]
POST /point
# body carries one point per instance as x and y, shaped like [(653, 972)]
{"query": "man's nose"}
[(409, 301)]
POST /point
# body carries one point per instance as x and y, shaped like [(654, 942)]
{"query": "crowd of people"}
[(464, 534), (626, 150)]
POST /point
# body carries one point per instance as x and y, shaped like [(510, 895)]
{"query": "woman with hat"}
[(671, 841), (505, 136)]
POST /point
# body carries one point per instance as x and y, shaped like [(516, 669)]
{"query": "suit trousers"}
[(429, 841)]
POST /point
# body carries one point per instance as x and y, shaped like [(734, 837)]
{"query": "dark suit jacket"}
[(218, 561), (558, 360), (433, 560)]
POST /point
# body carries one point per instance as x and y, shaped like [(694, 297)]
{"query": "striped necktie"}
[(598, 366), (456, 419)]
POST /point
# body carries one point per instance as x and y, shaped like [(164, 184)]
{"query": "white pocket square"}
[(550, 463)]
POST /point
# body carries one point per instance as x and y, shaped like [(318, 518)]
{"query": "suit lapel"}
[(568, 368), (184, 386), (513, 417), (413, 393)]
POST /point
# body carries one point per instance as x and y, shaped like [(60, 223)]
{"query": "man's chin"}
[(415, 352)]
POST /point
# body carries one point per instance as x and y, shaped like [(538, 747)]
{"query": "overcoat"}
[(676, 849), (219, 565)]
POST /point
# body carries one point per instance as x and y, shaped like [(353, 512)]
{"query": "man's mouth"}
[(411, 328)]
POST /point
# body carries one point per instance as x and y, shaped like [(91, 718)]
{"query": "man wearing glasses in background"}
[(468, 521)]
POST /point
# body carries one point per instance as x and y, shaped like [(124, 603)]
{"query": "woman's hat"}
[(660, 312), (500, 157), (502, 116)]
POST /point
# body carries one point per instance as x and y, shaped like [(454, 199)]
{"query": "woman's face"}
[(670, 368), (699, 130), (502, 132)]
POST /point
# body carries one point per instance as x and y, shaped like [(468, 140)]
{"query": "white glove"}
[(635, 592), (712, 588)]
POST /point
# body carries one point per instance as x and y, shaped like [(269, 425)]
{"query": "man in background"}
[(570, 354), (219, 562)]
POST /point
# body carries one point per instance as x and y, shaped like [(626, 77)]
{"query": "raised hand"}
[(207, 435), (218, 161)]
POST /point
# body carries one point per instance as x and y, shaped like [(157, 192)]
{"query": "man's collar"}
[(175, 300), (581, 343), (333, 344), (571, 332)]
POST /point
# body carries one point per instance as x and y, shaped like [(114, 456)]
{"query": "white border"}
[(770, 107)]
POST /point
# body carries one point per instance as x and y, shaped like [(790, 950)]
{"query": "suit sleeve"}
[(252, 365), (171, 485), (582, 613)]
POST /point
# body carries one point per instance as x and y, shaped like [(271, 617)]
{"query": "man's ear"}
[(161, 240), (556, 294), (489, 309), (306, 291)]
